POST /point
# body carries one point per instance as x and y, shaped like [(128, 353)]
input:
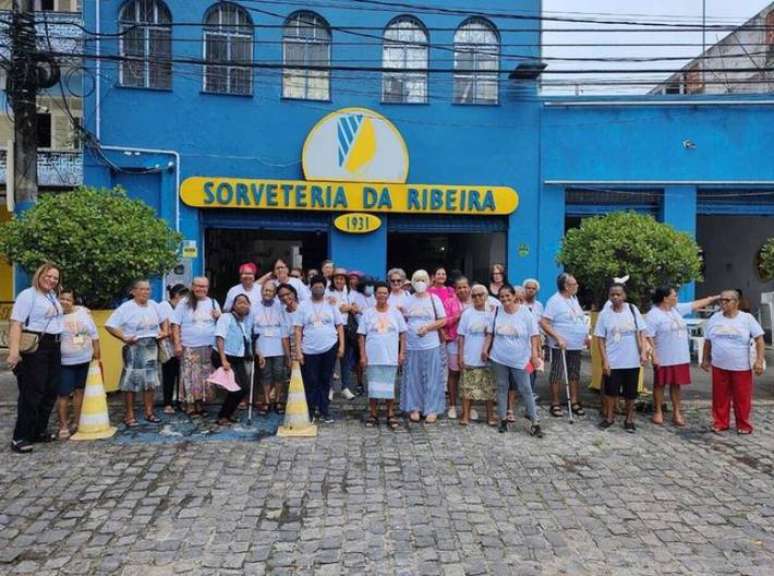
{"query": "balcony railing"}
[(65, 32), (55, 168)]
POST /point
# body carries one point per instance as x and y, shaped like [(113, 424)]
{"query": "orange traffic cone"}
[(95, 422), (297, 411)]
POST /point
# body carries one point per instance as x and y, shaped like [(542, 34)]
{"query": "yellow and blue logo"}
[(355, 145)]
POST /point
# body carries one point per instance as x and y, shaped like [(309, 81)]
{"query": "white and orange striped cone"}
[(297, 411), (95, 422)]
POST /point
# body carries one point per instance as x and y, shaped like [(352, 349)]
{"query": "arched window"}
[(405, 49), (306, 42), (770, 39), (228, 50), (146, 44), (476, 62)]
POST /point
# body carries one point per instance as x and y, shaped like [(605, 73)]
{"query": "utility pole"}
[(22, 91)]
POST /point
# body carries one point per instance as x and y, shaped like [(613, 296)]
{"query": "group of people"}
[(423, 336)]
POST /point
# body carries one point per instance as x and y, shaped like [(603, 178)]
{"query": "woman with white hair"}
[(422, 387), (396, 277)]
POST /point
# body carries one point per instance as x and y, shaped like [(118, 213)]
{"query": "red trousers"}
[(728, 385)]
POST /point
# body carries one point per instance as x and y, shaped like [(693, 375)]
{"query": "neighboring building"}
[(751, 46), (227, 118), (60, 158)]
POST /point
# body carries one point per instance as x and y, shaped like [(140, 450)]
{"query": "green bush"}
[(101, 239), (766, 265), (626, 243)]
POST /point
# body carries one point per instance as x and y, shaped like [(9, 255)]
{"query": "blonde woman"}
[(36, 312)]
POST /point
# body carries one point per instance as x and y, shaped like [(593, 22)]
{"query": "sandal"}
[(152, 418), (509, 416), (280, 409), (169, 410), (556, 411), (46, 437), (577, 409), (64, 433), (393, 422), (414, 417), (131, 423), (463, 422), (371, 421), (431, 418), (493, 422), (261, 409)]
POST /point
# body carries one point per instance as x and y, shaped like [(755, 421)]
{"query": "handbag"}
[(441, 335), (29, 341)]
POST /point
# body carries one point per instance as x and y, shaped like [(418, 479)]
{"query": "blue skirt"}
[(422, 388), (381, 382)]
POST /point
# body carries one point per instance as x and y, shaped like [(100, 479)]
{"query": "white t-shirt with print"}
[(618, 330), (270, 326), (567, 320), (420, 312), (43, 311), (473, 326), (512, 337), (135, 320), (77, 336), (730, 338), (670, 334), (318, 321), (197, 327), (382, 331)]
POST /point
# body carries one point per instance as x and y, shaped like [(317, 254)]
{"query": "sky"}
[(725, 12)]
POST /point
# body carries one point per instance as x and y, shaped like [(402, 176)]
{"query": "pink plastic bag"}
[(224, 379)]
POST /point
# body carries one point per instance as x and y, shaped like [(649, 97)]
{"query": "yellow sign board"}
[(357, 223), (462, 199)]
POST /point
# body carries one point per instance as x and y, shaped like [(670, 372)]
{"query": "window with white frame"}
[(476, 62), (405, 57), (146, 45), (228, 50), (306, 47)]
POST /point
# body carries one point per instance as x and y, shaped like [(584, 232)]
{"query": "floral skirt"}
[(195, 368), (141, 366), (478, 384)]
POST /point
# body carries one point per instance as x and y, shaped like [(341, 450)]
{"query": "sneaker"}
[(535, 431), (327, 419), (348, 394), (452, 413), (473, 414), (604, 424), (21, 446), (630, 427), (503, 427)]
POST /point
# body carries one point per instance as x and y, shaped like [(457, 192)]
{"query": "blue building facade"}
[(421, 108)]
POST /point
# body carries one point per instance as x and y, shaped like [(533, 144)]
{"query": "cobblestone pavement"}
[(423, 500)]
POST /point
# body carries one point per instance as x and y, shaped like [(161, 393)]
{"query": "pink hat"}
[(249, 268), (340, 272), (357, 273)]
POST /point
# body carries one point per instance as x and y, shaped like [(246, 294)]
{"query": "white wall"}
[(730, 245)]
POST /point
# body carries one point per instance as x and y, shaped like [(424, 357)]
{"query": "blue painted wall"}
[(525, 142)]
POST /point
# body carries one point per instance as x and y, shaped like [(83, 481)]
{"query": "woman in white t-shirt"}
[(422, 387), (282, 276), (513, 345), (193, 327), (80, 345), (139, 324), (727, 338), (319, 335), (477, 380), (382, 343), (621, 336), (670, 352), (36, 310), (272, 346)]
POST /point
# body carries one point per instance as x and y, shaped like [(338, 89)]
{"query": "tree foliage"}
[(626, 243), (767, 260), (101, 239)]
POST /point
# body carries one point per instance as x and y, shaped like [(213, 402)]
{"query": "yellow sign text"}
[(357, 223)]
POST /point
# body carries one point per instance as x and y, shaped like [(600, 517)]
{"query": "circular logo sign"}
[(355, 145)]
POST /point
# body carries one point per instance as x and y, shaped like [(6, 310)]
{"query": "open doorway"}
[(468, 254), (226, 249)]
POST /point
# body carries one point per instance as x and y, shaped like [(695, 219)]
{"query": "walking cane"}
[(250, 402), (567, 384)]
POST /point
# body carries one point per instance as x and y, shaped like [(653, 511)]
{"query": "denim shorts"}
[(275, 370), (72, 378)]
